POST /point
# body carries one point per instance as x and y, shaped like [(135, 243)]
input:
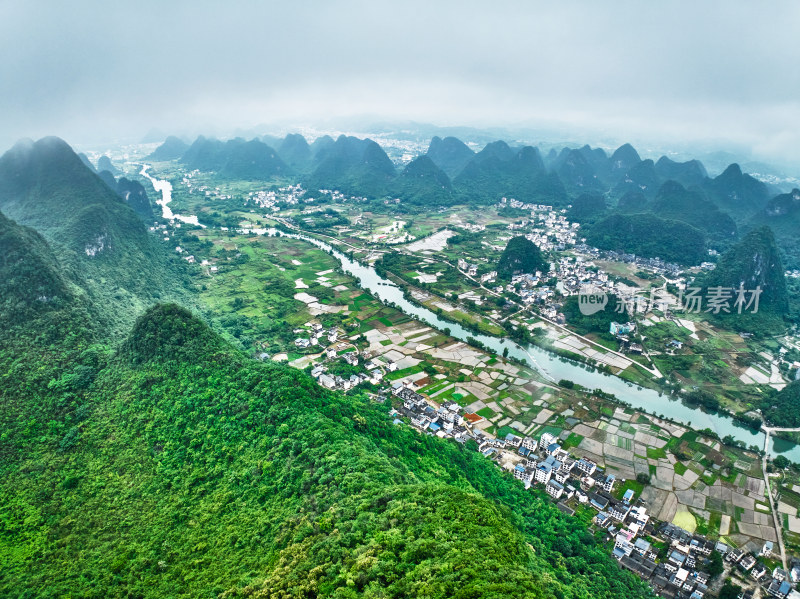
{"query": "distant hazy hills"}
[(353, 166), (235, 159), (450, 172), (449, 154), (172, 149)]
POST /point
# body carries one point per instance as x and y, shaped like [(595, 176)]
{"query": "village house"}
[(586, 466), (554, 488), (545, 469)]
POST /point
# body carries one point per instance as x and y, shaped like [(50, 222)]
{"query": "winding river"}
[(165, 189), (548, 364)]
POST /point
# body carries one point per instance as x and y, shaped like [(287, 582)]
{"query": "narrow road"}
[(775, 516)]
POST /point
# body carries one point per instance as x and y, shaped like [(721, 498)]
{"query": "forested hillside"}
[(179, 467), (650, 236), (101, 243)]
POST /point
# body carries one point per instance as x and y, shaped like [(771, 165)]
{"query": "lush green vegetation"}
[(587, 208), (599, 323), (422, 182), (675, 202), (649, 236), (103, 246), (753, 263), (172, 149), (449, 154), (353, 166), (521, 256), (235, 159), (180, 467), (782, 215), (783, 408), (500, 171)]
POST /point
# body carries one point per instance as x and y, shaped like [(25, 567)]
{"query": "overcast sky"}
[(671, 72)]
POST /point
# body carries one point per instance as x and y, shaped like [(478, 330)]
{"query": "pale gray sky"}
[(667, 71)]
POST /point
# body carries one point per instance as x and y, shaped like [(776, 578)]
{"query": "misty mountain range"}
[(711, 211)]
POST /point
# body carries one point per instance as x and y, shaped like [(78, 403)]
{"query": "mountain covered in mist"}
[(680, 192), (172, 149), (96, 233), (752, 264), (449, 154), (235, 159)]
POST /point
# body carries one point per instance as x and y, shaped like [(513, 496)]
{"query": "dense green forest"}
[(521, 256), (754, 263), (783, 408), (599, 323), (423, 183), (650, 236), (675, 202), (102, 244), (176, 466)]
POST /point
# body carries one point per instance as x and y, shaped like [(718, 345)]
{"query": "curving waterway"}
[(547, 363), (165, 189)]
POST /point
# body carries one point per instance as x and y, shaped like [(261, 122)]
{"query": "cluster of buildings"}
[(472, 271), (373, 370), (553, 231), (655, 265), (202, 189), (511, 202), (443, 421), (673, 561), (777, 583), (316, 332), (679, 571), (546, 463), (472, 228), (549, 229), (575, 274), (289, 195), (338, 196)]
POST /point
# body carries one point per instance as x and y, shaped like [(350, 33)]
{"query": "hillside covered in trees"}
[(521, 256)]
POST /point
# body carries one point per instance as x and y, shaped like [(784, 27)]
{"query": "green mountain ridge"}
[(101, 242), (675, 202), (235, 159), (739, 194), (30, 273), (171, 149), (180, 466), (449, 154), (104, 164), (499, 171), (423, 183), (650, 236), (687, 173), (295, 151), (353, 166), (752, 263), (782, 215)]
